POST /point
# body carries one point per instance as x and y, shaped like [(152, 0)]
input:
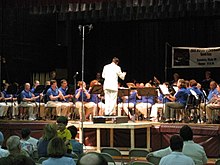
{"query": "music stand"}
[(38, 90), (124, 92), (12, 90), (97, 89), (147, 91)]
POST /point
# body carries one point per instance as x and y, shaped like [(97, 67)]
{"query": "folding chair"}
[(141, 163), (153, 159), (138, 153), (108, 158), (113, 152)]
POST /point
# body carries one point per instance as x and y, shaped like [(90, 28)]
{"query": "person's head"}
[(141, 85), (213, 85), (50, 131), (1, 138), (93, 83), (27, 86), (192, 83), (73, 131), (181, 83), (47, 83), (62, 122), (98, 75), (23, 160), (25, 133), (167, 84), (93, 158), (81, 84), (186, 133), (63, 83), (199, 86), (53, 83), (176, 143), (115, 60), (56, 148), (36, 83), (207, 74), (53, 75), (13, 144), (176, 77), (148, 85), (6, 85)]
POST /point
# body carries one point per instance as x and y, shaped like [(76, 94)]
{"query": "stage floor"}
[(138, 134)]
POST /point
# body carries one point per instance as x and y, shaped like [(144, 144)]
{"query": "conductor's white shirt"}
[(110, 73)]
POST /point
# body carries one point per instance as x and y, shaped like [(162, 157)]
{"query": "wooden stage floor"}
[(139, 134)]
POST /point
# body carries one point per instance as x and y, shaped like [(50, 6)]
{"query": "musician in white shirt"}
[(110, 73)]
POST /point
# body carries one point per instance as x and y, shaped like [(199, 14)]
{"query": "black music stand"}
[(97, 89), (147, 91), (38, 90), (124, 92), (12, 90)]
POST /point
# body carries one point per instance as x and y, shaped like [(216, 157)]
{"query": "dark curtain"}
[(37, 43)]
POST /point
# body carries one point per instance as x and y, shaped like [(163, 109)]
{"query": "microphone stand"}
[(82, 30)]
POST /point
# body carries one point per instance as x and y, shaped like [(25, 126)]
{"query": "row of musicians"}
[(58, 99)]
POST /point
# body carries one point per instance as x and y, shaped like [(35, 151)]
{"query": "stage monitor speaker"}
[(110, 119)]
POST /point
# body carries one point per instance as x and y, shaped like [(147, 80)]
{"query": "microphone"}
[(75, 74)]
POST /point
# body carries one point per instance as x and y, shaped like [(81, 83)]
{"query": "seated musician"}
[(178, 101), (11, 101), (212, 92), (193, 87), (38, 100), (145, 104), (160, 104), (28, 101), (97, 99), (129, 103), (214, 103), (82, 95), (53, 95), (67, 105)]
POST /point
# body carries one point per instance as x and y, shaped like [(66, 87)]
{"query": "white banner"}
[(188, 57)]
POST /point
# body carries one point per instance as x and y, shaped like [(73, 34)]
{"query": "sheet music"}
[(175, 88), (164, 89), (194, 94)]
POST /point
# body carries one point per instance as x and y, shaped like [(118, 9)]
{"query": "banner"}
[(187, 57)]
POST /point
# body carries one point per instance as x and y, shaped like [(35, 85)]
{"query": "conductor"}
[(110, 73)]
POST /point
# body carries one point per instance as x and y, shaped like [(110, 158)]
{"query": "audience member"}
[(27, 146), (77, 147), (3, 152), (56, 150), (23, 160), (63, 132), (93, 158), (26, 137), (14, 148), (191, 149), (176, 156), (50, 131)]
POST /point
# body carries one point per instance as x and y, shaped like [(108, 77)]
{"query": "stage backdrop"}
[(189, 57)]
